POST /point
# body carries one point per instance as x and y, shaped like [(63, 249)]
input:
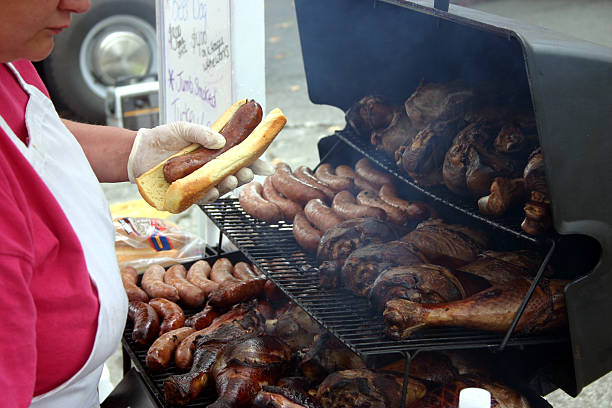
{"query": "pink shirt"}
[(48, 303)]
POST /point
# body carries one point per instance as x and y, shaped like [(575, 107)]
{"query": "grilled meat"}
[(538, 217), (422, 158), (325, 356), (282, 397), (500, 267), (363, 388), (245, 365), (534, 173), (422, 283), (365, 264), (447, 395), (429, 367), (449, 245), (505, 193), (437, 101), (370, 113), (338, 243), (492, 309), (294, 326), (400, 132)]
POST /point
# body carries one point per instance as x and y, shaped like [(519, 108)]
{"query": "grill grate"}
[(350, 318), (510, 223)]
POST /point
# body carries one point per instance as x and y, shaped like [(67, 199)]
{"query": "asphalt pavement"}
[(286, 88)]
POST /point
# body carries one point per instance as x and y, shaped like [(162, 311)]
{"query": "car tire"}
[(77, 92)]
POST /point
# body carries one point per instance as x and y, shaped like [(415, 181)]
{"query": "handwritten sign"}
[(196, 60)]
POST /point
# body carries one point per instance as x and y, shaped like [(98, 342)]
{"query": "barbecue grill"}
[(353, 48)]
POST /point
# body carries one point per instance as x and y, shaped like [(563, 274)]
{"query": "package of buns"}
[(140, 242)]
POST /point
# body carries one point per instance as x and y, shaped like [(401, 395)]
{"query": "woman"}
[(62, 302)]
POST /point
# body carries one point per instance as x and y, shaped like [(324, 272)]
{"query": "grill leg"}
[(408, 358)]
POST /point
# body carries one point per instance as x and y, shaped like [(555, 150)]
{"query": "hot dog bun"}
[(178, 196)]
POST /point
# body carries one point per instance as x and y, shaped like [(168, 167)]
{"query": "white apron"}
[(60, 161)]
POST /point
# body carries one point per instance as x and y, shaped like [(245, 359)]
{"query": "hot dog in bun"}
[(185, 177)]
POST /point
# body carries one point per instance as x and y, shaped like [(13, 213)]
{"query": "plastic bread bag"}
[(140, 242)]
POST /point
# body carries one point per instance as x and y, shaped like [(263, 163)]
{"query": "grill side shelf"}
[(273, 249)]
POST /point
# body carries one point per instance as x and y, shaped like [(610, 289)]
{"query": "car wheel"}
[(112, 41)]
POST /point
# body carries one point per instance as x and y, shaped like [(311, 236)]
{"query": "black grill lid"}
[(353, 48)]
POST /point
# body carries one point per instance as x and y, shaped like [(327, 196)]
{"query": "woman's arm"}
[(107, 148)]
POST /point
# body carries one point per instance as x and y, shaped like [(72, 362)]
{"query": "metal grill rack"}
[(350, 318), (509, 223)]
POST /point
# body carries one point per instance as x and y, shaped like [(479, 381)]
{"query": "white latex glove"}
[(151, 146)]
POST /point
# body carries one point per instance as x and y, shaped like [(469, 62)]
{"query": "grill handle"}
[(534, 283)]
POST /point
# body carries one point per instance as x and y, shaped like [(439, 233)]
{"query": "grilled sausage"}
[(362, 184), (198, 274), (203, 318), (222, 270), (307, 176), (293, 188), (230, 293), (321, 216), (172, 315), (345, 205), (395, 215), (273, 292), (153, 283), (365, 170), (190, 294), (414, 210), (288, 208), (160, 352), (254, 204), (325, 173), (345, 171), (146, 322), (243, 271), (242, 123), (129, 277), (305, 234)]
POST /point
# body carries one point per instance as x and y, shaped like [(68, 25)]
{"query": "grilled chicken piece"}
[(429, 367), (492, 309), (366, 388), (246, 365), (501, 267), (535, 174), (505, 194), (370, 113), (538, 217), (400, 132), (282, 397), (438, 101), (182, 388), (447, 395), (363, 265), (423, 157), (449, 245), (325, 356), (338, 242), (423, 283), (294, 326)]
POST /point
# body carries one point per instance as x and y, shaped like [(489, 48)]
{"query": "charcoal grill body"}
[(353, 48)]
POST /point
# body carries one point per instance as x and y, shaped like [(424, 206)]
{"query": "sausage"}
[(129, 277), (273, 292), (414, 210), (364, 169), (321, 216), (189, 293), (172, 315), (231, 293), (293, 188), (305, 234), (288, 208), (307, 176), (242, 123), (255, 205), (198, 274), (325, 173), (243, 271), (160, 352), (222, 270), (362, 184), (345, 171), (146, 322), (345, 205), (153, 283), (203, 318), (395, 215)]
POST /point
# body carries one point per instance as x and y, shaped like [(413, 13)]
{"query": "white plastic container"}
[(474, 398)]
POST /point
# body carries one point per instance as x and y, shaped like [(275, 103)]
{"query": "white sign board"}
[(196, 60)]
